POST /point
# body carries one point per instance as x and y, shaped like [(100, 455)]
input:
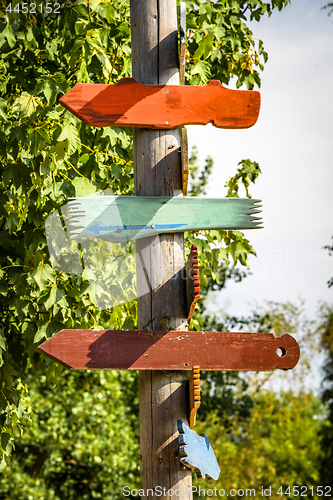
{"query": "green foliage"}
[(275, 442), (247, 173), (84, 441), (226, 396), (221, 45), (330, 250), (329, 6), (199, 182), (47, 156), (15, 418), (327, 396), (276, 446)]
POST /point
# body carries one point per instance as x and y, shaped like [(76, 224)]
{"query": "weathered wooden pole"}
[(157, 171)]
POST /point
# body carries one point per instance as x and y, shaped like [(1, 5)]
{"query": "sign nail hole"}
[(280, 351)]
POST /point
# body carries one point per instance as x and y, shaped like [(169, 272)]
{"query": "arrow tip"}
[(94, 229)]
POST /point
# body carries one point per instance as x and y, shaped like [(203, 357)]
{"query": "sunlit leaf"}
[(26, 104)]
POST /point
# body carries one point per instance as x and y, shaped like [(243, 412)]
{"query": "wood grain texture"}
[(192, 282), (173, 350), (162, 394), (157, 168), (194, 391), (157, 172), (132, 104)]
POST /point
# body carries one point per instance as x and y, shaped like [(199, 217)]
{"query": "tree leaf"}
[(94, 4), (26, 104), (17, 173), (43, 134), (41, 333), (70, 132), (110, 12), (6, 443), (83, 186), (52, 85), (2, 341), (3, 109), (60, 149), (44, 276), (56, 295), (205, 46), (8, 33), (201, 68)]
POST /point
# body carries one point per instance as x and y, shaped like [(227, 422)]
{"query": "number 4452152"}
[(33, 8), (304, 491)]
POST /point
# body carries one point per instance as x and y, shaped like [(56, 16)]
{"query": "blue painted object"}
[(196, 452), (96, 229)]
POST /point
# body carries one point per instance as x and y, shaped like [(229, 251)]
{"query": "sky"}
[(293, 143)]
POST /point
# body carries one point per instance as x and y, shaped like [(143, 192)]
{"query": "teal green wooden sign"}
[(124, 218)]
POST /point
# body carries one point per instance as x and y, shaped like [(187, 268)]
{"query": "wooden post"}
[(157, 171)]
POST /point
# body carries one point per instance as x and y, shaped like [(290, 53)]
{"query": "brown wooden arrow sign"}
[(132, 104), (174, 350)]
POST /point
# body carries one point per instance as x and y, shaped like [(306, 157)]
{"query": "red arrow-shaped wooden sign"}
[(174, 350), (131, 104)]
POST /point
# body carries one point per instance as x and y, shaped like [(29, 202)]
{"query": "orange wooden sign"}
[(131, 104), (173, 350)]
